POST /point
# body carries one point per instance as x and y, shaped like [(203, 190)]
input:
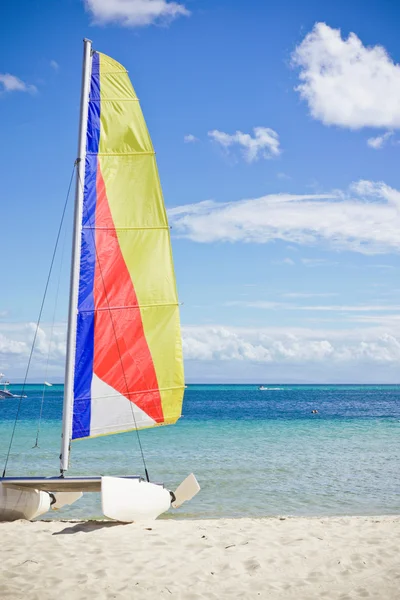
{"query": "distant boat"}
[(4, 392), (262, 388), (124, 365)]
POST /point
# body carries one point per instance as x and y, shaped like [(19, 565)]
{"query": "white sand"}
[(292, 558)]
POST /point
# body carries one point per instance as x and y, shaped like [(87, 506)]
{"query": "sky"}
[(276, 127)]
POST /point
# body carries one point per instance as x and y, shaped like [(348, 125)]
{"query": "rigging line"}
[(51, 340), (38, 322), (114, 332)]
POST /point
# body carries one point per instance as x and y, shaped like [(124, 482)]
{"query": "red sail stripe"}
[(120, 334)]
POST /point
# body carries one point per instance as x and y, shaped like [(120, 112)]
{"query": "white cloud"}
[(264, 144), (365, 218), (134, 13), (54, 65), (352, 308), (376, 190), (15, 345), (378, 142), (284, 261), (273, 346), (346, 83), (11, 83), (301, 345), (318, 262), (309, 295), (9, 346), (265, 305), (387, 267), (190, 138)]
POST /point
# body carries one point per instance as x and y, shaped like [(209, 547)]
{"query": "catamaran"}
[(124, 365)]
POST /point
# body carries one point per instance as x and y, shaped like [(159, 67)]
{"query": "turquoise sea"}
[(255, 453)]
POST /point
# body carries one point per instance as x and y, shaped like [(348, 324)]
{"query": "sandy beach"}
[(275, 558)]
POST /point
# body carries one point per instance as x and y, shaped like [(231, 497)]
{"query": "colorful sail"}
[(128, 357)]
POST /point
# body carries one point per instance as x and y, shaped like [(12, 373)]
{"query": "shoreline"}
[(279, 558), (176, 518), (211, 520), (170, 516)]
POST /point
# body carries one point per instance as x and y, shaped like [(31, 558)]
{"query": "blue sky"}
[(276, 131)]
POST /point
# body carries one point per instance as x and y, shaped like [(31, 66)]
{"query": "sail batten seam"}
[(131, 306), (121, 153), (126, 228), (114, 100), (136, 392)]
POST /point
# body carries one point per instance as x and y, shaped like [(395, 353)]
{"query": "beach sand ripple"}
[(343, 558)]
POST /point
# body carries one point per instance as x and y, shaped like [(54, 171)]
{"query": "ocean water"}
[(255, 453)]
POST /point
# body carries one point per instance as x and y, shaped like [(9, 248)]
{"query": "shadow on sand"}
[(89, 527)]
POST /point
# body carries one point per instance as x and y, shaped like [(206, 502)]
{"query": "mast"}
[(76, 242)]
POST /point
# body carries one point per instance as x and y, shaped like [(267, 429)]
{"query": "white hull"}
[(127, 499), (16, 503), (132, 500), (123, 499)]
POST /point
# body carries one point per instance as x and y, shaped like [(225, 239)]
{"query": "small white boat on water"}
[(124, 365), (4, 391)]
